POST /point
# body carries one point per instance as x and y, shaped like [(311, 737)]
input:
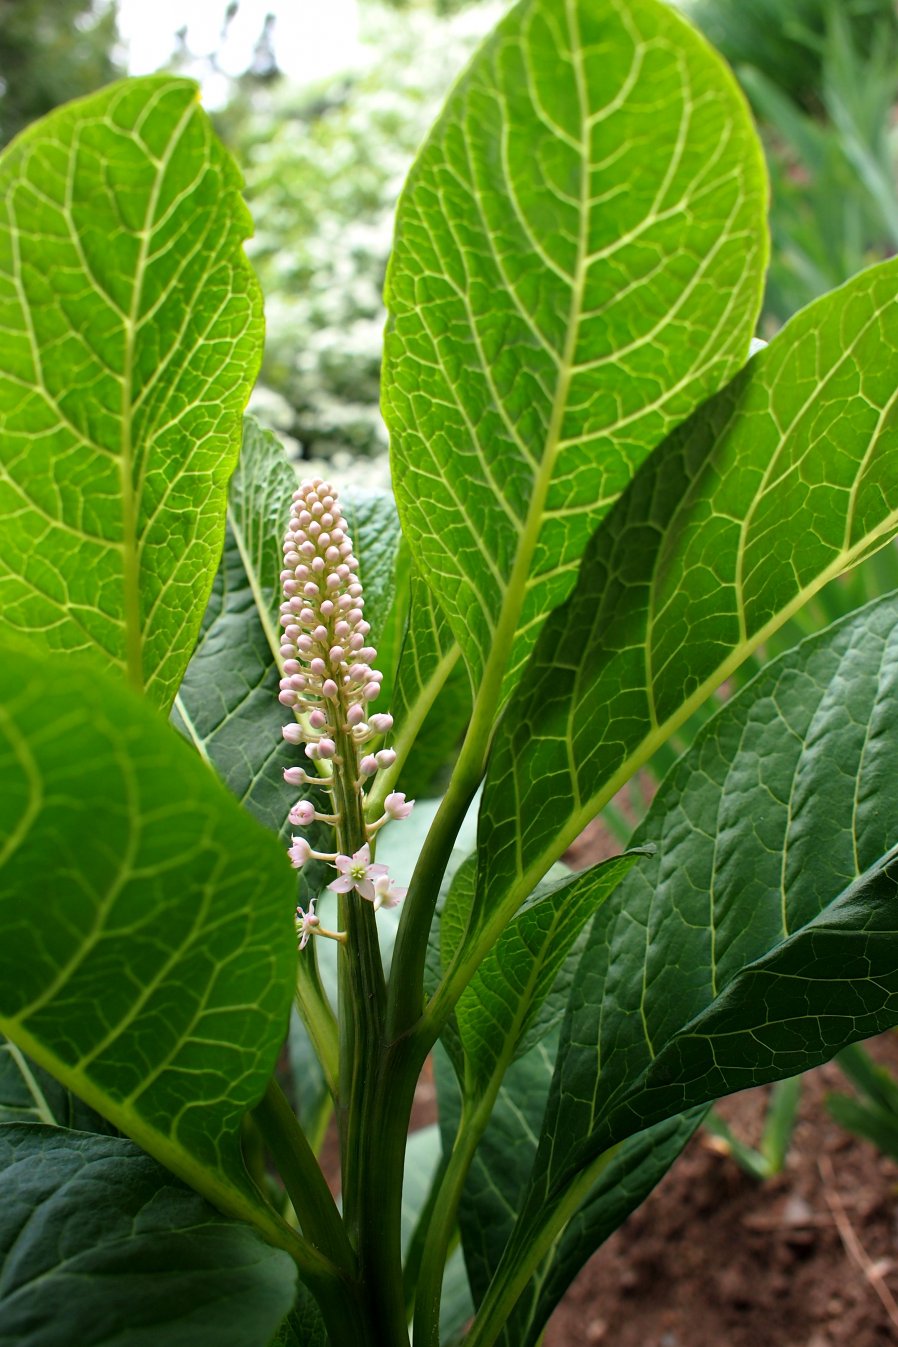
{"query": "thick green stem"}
[(362, 990), (383, 1158), (302, 1177), (406, 995)]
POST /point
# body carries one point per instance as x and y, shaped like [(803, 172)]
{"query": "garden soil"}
[(714, 1258)]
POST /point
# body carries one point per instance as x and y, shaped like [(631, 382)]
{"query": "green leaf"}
[(762, 937), (497, 1185), (577, 264), (228, 704), (431, 702), (132, 335), (30, 1094), (497, 1010), (148, 956), (374, 529), (782, 481), (100, 1245)]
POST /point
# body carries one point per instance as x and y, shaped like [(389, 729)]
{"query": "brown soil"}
[(715, 1259)]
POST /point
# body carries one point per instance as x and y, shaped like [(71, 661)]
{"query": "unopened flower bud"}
[(302, 814), (299, 852), (397, 806)]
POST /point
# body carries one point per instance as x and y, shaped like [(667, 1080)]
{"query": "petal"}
[(366, 889), (342, 884)]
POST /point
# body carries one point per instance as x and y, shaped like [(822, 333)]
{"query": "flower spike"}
[(329, 680)]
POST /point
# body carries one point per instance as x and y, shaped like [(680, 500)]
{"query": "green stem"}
[(317, 1015), (441, 1230), (383, 1160), (406, 993), (366, 1134), (302, 1177)]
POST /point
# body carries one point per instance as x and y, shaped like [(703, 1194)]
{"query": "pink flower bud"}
[(368, 766), (385, 758), (292, 732), (295, 776), (397, 806), (299, 852), (302, 814), (318, 720), (381, 722)]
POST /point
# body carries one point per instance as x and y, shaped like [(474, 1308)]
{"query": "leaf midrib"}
[(490, 696), (131, 502)]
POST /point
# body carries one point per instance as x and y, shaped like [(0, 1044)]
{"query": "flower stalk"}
[(329, 682)]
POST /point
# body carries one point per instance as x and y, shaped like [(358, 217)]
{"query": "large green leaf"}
[(578, 258), (374, 528), (100, 1245), (762, 937), (431, 701), (28, 1093), (228, 703), (498, 1009), (132, 333), (148, 956), (781, 482)]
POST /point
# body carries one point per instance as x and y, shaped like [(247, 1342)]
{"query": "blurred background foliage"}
[(51, 51)]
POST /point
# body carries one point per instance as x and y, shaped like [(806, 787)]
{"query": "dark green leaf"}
[(577, 265), (29, 1094), (102, 1247), (374, 529), (228, 702), (762, 937), (132, 335)]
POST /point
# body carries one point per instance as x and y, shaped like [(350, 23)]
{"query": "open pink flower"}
[(357, 872), (386, 893), (306, 923)]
